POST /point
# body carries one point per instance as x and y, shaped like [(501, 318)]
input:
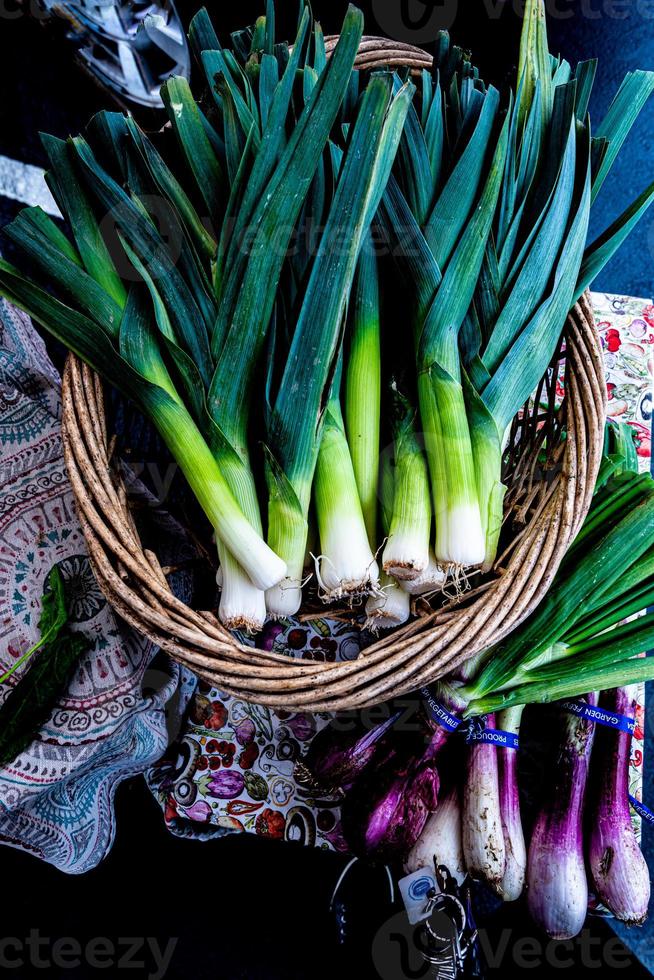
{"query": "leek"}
[(489, 308), (392, 605), (296, 412), (406, 554), (363, 386), (347, 566)]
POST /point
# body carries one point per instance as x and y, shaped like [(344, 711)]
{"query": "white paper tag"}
[(416, 890)]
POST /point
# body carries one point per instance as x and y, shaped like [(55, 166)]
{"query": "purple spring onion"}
[(483, 840), (617, 865), (386, 810), (440, 844), (336, 758), (515, 870), (556, 874)]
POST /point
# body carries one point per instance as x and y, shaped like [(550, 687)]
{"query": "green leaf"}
[(273, 144), (415, 165), (363, 176), (454, 205), (194, 392), (534, 66), (75, 206), (604, 248), (173, 191), (52, 620), (437, 344), (138, 344), (224, 74), (621, 116), (194, 143), (585, 75), (526, 361), (273, 220), (29, 704), (34, 238), (202, 34), (77, 332), (146, 242), (535, 273), (268, 82)]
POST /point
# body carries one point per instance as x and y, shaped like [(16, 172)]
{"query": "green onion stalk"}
[(363, 386), (300, 417), (346, 565), (391, 605), (406, 554), (576, 640), (456, 215)]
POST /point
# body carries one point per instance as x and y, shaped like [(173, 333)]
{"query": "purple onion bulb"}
[(556, 873), (617, 865), (440, 844)]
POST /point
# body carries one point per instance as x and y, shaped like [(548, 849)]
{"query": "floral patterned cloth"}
[(56, 798), (235, 767), (626, 327)]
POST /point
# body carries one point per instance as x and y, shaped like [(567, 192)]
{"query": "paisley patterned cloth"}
[(56, 798), (234, 769)]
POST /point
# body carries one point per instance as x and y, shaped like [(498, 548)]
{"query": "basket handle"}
[(380, 52)]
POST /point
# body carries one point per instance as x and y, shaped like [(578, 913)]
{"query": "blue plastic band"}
[(495, 736), (438, 713), (619, 723), (642, 810)]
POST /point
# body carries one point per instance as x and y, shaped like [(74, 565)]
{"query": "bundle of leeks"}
[(230, 286)]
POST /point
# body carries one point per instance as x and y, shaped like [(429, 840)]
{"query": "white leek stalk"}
[(347, 566), (242, 605), (460, 538), (406, 554), (389, 607), (483, 840), (431, 580), (392, 606)]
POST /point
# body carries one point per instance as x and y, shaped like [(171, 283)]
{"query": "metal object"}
[(129, 46), (444, 939)]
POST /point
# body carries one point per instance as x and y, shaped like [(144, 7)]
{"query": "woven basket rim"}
[(134, 583)]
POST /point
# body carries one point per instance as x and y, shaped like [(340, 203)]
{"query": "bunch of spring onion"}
[(575, 642), (585, 822), (583, 837)]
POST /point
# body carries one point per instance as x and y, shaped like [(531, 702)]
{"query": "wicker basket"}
[(546, 503)]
